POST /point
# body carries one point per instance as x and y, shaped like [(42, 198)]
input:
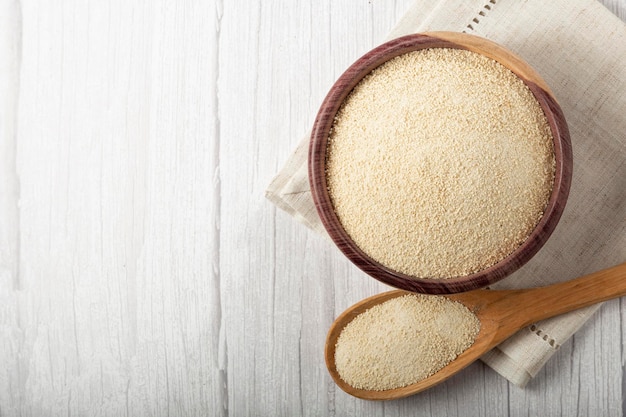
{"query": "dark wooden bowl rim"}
[(317, 161)]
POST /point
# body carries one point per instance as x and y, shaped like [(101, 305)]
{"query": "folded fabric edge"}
[(289, 190), (273, 196), (500, 362)]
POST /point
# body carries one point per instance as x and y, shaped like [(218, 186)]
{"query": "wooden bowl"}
[(324, 122)]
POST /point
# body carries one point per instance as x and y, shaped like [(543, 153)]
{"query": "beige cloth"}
[(579, 47)]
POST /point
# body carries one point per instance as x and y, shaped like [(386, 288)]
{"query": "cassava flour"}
[(403, 340), (440, 163)]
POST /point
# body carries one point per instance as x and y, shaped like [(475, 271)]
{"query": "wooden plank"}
[(10, 333), (118, 295), (277, 310)]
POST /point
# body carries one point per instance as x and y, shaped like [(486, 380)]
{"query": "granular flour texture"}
[(403, 340), (440, 163)]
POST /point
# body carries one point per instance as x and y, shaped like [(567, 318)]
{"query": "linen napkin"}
[(579, 48)]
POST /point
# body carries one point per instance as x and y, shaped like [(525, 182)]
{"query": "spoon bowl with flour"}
[(398, 343)]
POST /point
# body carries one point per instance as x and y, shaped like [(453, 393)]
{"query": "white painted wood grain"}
[(617, 7), (142, 272), (118, 288), (10, 334)]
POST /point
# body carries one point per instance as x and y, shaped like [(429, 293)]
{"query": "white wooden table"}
[(142, 272)]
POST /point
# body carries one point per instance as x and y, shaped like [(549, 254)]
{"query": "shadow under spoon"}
[(501, 314)]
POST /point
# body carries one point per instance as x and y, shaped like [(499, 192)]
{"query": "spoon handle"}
[(545, 302)]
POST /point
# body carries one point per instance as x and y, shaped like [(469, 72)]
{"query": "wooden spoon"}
[(501, 314)]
